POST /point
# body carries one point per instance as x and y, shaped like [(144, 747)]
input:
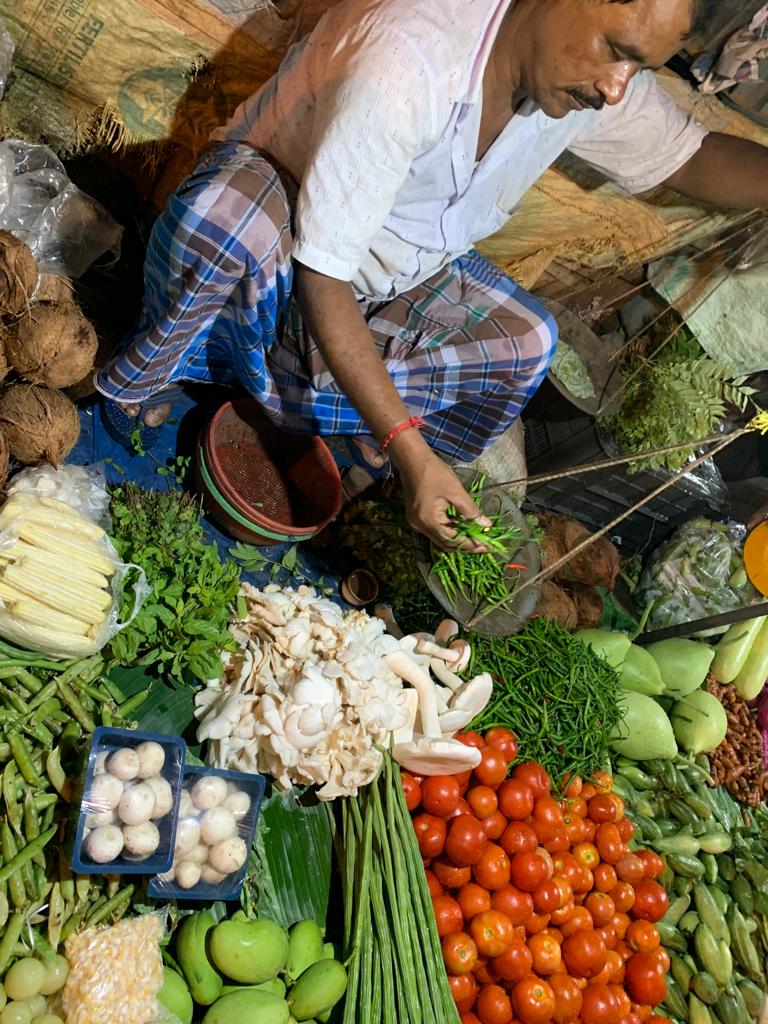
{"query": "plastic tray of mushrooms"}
[(127, 816), (217, 816)]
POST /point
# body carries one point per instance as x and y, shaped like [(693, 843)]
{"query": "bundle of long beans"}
[(47, 712), (482, 578), (396, 970)]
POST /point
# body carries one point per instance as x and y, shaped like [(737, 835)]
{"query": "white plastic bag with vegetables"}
[(61, 581)]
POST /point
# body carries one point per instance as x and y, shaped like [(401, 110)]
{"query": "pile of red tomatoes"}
[(544, 912)]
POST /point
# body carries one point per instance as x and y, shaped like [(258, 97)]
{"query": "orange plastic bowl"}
[(281, 486)]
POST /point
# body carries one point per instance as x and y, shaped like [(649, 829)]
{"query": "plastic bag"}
[(7, 48), (83, 488), (62, 583), (116, 972), (698, 572), (65, 229)]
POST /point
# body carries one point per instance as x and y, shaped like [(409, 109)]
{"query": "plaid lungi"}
[(466, 349)]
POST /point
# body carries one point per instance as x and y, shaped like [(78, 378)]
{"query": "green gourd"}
[(641, 673), (699, 722), (645, 731), (683, 664)]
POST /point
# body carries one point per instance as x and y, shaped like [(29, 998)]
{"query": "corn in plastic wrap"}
[(115, 973)]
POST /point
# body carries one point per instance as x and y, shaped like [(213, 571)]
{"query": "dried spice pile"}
[(738, 763)]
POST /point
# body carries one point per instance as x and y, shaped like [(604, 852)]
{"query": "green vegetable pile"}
[(558, 697), (376, 534), (396, 971), (716, 928), (47, 712), (181, 628), (699, 571), (676, 394), (480, 578)]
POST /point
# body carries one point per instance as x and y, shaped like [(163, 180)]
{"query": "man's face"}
[(584, 53)]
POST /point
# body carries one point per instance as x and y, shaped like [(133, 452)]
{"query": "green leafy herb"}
[(181, 629), (376, 534), (253, 560), (675, 395), (556, 695)]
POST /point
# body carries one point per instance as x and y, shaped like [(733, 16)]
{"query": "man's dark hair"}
[(712, 17)]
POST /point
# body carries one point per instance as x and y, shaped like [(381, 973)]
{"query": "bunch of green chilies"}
[(47, 710), (479, 577), (396, 970)]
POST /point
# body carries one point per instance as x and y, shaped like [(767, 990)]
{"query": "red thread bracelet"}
[(415, 422)]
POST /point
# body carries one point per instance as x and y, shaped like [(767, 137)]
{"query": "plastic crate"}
[(558, 437)]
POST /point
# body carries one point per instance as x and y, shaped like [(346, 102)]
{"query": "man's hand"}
[(430, 487)]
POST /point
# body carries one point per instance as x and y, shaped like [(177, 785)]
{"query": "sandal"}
[(122, 428), (347, 454)]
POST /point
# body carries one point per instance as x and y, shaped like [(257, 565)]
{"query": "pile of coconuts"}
[(46, 344)]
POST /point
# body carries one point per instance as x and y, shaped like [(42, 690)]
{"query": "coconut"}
[(18, 274), (589, 605), (39, 424), (54, 288), (53, 345), (556, 605)]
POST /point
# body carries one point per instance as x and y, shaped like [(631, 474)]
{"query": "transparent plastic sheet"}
[(83, 488), (125, 819), (698, 572), (7, 49), (62, 584), (65, 228), (116, 972)]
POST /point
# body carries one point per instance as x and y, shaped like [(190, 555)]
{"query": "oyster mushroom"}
[(428, 753), (467, 703)]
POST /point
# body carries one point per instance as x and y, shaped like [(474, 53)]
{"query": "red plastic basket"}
[(287, 485)]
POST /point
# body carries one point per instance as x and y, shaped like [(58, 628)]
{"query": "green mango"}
[(248, 1005), (249, 951), (641, 673), (318, 989), (175, 996)]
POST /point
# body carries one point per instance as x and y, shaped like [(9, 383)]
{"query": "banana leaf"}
[(290, 877), (169, 711)]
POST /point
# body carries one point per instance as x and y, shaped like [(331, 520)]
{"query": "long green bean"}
[(14, 878), (10, 937), (11, 867)]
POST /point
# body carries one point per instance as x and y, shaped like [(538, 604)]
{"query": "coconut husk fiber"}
[(39, 424), (54, 288), (53, 345), (596, 566), (18, 275), (589, 605), (5, 366), (5, 458), (556, 605)]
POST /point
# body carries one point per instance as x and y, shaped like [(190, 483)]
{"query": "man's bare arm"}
[(726, 171)]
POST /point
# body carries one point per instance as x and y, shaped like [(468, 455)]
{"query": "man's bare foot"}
[(153, 417)]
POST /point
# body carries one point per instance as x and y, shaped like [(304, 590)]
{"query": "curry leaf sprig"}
[(557, 696), (181, 629), (482, 578)]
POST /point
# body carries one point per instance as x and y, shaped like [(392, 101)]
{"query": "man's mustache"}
[(596, 102)]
